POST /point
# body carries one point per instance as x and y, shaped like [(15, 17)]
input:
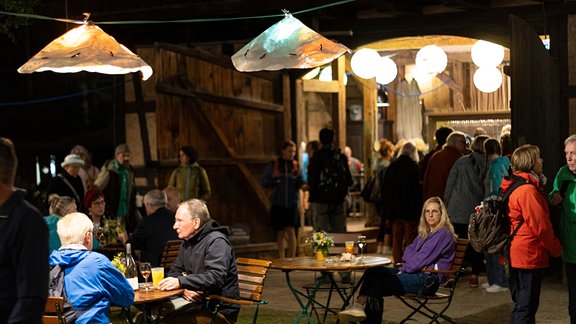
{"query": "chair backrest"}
[(340, 240), (53, 311), (251, 276), (170, 253), (461, 246)]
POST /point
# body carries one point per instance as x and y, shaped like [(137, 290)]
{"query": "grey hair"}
[(409, 149), (570, 139), (197, 208), (156, 198)]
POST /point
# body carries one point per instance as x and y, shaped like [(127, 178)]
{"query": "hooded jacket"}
[(535, 240), (92, 283), (206, 262)]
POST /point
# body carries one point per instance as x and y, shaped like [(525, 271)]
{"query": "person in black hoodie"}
[(23, 248), (206, 265)]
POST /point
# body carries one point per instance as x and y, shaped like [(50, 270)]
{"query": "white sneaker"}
[(485, 285), (496, 289), (354, 313)]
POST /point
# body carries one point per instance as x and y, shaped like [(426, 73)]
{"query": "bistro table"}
[(148, 299), (287, 265)]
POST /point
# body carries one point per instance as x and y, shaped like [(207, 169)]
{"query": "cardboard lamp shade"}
[(288, 44), (86, 48)]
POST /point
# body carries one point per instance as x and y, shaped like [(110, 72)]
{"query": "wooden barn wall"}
[(233, 119)]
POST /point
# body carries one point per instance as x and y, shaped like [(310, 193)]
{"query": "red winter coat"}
[(535, 240)]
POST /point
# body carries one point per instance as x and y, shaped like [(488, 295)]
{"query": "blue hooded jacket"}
[(92, 283)]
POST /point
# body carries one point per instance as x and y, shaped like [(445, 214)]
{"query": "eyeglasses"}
[(98, 203)]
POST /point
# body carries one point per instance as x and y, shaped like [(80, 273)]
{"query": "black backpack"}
[(489, 226), (56, 289), (333, 183)]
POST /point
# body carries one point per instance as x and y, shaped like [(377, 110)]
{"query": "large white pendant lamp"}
[(431, 59), (86, 48)]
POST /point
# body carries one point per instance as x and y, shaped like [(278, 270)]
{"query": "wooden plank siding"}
[(235, 121)]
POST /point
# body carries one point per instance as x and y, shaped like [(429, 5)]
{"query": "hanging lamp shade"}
[(431, 59), (487, 79), (86, 48), (363, 62), (487, 54), (288, 44)]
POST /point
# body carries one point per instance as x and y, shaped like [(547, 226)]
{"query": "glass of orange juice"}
[(349, 245), (157, 275)]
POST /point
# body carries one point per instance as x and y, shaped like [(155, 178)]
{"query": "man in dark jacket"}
[(116, 181), (206, 265), (155, 229), (23, 248)]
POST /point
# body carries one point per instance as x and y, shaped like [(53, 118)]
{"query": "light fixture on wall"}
[(487, 54), (86, 48), (363, 62), (386, 70), (488, 79), (431, 59)]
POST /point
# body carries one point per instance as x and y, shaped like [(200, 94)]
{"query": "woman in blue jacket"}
[(433, 248)]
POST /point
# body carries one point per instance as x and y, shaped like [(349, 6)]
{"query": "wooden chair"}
[(420, 304), (170, 253), (329, 286), (53, 311), (251, 276)]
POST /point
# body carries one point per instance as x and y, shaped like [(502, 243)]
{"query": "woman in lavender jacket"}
[(433, 248)]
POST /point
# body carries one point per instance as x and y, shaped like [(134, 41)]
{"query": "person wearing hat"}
[(116, 181), (68, 182)]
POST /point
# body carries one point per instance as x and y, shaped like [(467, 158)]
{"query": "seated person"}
[(91, 281), (433, 248), (206, 265), (155, 229), (60, 206)]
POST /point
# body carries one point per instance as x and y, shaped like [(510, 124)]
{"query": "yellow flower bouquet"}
[(321, 242)]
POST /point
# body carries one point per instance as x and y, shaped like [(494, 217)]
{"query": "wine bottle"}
[(131, 272)]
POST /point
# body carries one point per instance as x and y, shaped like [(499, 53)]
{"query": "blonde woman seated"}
[(433, 248)]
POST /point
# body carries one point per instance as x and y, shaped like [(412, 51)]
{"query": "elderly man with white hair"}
[(91, 281)]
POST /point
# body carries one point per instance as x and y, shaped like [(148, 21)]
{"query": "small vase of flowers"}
[(321, 243)]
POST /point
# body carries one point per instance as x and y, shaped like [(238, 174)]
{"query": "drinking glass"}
[(145, 270), (361, 245)]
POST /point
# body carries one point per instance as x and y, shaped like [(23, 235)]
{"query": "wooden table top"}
[(311, 264), (147, 296)]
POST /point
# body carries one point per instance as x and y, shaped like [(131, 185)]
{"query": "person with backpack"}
[(328, 178), (496, 168), (282, 176), (91, 283), (534, 241)]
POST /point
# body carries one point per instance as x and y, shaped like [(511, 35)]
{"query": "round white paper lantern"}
[(431, 59), (486, 54), (488, 79), (364, 61), (386, 70)]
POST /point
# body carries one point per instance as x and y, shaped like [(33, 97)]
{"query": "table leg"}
[(310, 297)]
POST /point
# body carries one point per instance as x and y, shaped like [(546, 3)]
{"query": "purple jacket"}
[(435, 252)]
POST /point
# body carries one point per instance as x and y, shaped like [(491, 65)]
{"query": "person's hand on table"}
[(169, 283), (193, 296)]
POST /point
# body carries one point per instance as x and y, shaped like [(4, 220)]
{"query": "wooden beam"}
[(170, 89), (316, 85)]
